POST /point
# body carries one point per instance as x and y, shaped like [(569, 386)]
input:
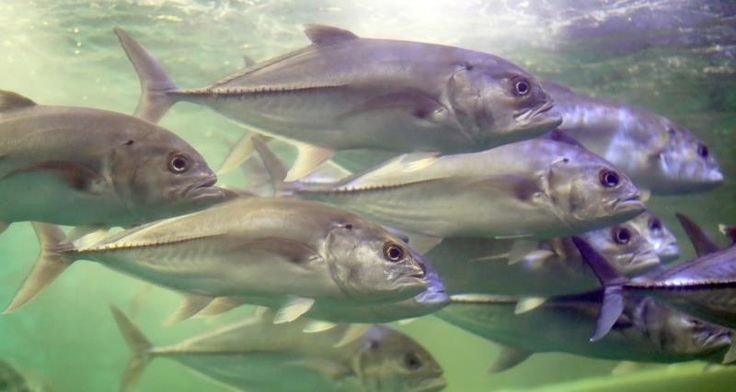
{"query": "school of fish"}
[(508, 203)]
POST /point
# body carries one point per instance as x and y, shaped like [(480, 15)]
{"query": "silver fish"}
[(656, 153), (344, 92), (544, 268), (428, 301), (88, 167), (646, 332), (704, 287), (535, 188), (257, 355), (249, 247)]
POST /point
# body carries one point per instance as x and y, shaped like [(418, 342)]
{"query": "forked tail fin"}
[(155, 83), (139, 345), (50, 264), (612, 281)]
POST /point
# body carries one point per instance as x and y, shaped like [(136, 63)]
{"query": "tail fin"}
[(612, 281), (139, 345), (51, 263), (701, 241), (155, 83)]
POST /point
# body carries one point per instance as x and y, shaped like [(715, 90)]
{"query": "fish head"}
[(432, 299), (627, 247), (658, 235), (370, 263), (589, 191), (679, 333), (684, 162), (503, 102), (159, 175), (391, 361)]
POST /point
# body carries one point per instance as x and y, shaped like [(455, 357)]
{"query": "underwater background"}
[(674, 57)]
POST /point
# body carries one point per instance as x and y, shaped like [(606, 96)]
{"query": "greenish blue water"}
[(673, 57)]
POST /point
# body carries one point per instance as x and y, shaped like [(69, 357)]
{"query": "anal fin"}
[(508, 358), (309, 159), (294, 309), (190, 306)]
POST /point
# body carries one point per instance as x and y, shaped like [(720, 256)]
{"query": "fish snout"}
[(205, 189), (643, 261)]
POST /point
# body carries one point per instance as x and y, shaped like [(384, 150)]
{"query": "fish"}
[(647, 331), (11, 380), (546, 268), (531, 189), (88, 167), (344, 92), (257, 355), (326, 315), (657, 154), (704, 287), (248, 248)]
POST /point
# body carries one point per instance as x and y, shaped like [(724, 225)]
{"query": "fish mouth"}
[(431, 385), (542, 119), (205, 189), (632, 204), (643, 261)]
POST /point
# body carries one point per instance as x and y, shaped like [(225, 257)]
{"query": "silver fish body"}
[(80, 166), (656, 153), (544, 268), (256, 355), (704, 287), (345, 92), (253, 247), (646, 332), (535, 188)]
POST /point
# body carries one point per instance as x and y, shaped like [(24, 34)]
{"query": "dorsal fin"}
[(325, 35), (10, 100)]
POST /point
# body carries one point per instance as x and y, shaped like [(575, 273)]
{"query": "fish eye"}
[(178, 163), (393, 252), (703, 150), (609, 178), (621, 235), (521, 87), (655, 224), (412, 361)]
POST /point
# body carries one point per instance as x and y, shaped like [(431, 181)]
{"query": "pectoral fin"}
[(508, 358), (294, 309), (407, 105), (310, 157), (72, 174)]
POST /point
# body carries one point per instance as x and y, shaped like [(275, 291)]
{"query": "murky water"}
[(675, 57)]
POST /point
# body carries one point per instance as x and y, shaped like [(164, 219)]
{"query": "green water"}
[(673, 57)]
